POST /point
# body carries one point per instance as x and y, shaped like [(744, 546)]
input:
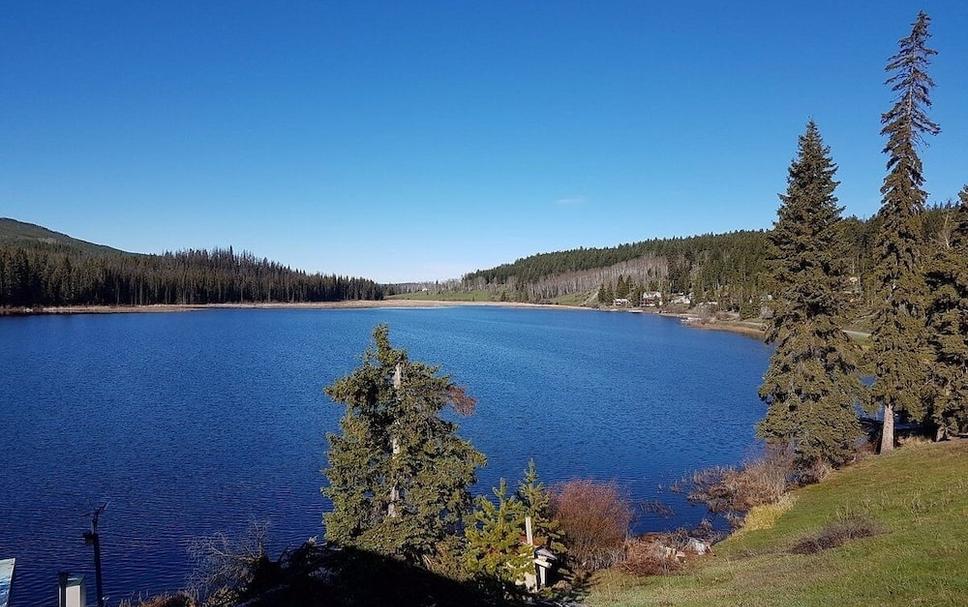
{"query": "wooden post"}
[(395, 445)]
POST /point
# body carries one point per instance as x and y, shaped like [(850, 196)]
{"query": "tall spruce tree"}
[(947, 319), (399, 475), (812, 384), (898, 348)]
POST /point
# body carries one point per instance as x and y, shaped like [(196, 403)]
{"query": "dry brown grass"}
[(162, 600), (731, 490), (765, 516), (645, 556)]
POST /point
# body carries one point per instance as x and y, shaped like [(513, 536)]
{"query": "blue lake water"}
[(191, 423)]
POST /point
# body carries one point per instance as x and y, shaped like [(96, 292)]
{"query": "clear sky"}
[(419, 140)]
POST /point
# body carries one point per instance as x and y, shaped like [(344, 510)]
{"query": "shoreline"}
[(315, 305), (748, 329)]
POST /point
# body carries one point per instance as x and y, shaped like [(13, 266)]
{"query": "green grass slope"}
[(449, 296), (918, 494), (13, 231)]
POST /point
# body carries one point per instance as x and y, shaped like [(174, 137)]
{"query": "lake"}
[(196, 422)]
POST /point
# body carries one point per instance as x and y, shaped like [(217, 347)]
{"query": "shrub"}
[(836, 534), (225, 566), (595, 519), (731, 490)]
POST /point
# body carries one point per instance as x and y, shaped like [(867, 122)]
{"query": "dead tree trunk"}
[(887, 430)]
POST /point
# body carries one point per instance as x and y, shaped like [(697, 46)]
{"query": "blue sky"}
[(420, 140)]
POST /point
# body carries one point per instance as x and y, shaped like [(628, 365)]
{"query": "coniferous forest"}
[(730, 268), (36, 272)]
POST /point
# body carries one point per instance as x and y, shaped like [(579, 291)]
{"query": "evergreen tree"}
[(603, 294), (495, 539), (635, 295), (399, 475), (537, 504), (812, 384), (898, 331), (621, 287), (609, 295), (947, 318)]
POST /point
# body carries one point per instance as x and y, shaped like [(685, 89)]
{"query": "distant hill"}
[(13, 231), (729, 268), (40, 268)]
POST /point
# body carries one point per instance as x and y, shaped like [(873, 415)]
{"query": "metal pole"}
[(92, 539)]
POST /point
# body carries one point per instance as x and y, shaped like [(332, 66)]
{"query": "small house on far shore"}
[(621, 302), (652, 299)]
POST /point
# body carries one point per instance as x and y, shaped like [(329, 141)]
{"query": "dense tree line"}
[(41, 274), (730, 268), (729, 264)]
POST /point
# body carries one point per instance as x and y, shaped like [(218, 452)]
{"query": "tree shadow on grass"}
[(347, 577)]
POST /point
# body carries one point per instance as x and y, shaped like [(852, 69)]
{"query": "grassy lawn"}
[(449, 296), (572, 299), (918, 494)]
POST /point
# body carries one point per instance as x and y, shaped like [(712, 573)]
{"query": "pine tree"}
[(812, 384), (537, 504), (399, 475), (603, 294), (621, 287), (609, 295), (947, 319), (898, 333), (495, 539)]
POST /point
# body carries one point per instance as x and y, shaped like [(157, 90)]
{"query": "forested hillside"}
[(13, 231), (729, 268), (39, 267)]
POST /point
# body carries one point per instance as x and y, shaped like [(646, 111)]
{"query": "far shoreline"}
[(688, 320), (313, 305)]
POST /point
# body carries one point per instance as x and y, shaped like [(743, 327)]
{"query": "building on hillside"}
[(652, 299), (681, 299), (621, 302)]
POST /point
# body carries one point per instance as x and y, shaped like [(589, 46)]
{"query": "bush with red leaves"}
[(595, 519)]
